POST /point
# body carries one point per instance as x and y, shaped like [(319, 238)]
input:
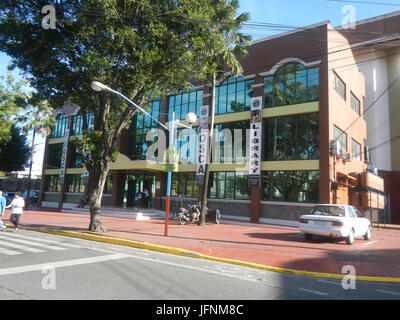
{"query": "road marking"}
[(389, 292), (31, 243), (18, 246), (330, 281), (9, 252), (315, 292), (45, 241), (371, 242), (61, 264)]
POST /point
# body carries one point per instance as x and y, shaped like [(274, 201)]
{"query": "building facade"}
[(375, 44), (312, 139)]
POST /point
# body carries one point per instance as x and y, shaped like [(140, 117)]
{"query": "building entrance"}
[(139, 190)]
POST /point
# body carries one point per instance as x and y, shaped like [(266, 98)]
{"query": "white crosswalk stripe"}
[(39, 240), (5, 243), (14, 244), (30, 243)]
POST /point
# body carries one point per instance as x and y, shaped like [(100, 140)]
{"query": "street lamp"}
[(190, 118)]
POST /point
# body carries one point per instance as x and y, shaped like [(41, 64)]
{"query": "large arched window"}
[(60, 127), (292, 83)]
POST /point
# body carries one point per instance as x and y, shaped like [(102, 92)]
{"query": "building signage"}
[(255, 142), (203, 145), (64, 156)]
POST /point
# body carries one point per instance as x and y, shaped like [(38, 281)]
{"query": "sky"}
[(296, 13)]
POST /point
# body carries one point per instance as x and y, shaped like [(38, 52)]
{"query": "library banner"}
[(255, 142)]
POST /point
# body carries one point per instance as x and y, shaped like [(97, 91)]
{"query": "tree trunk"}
[(204, 194), (97, 179)]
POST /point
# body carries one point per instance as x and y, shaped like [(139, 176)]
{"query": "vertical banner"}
[(202, 150), (64, 154), (255, 142)]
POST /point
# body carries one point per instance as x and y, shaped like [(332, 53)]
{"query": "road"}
[(40, 266)]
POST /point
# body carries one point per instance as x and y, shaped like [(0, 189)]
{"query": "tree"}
[(140, 48), (229, 47), (14, 155)]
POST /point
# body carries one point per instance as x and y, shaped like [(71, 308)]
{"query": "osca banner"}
[(203, 145), (255, 142)]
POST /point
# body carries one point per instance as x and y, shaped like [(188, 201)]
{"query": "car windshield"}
[(336, 211)]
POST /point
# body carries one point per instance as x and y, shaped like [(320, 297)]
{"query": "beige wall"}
[(394, 105), (341, 60)]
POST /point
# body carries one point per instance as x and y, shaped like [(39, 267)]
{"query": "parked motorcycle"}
[(192, 214)]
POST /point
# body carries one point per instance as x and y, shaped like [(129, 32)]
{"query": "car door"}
[(362, 222), (353, 221)]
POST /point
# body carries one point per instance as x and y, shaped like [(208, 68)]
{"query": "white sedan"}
[(338, 221)]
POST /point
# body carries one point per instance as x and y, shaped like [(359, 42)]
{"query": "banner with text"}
[(255, 142)]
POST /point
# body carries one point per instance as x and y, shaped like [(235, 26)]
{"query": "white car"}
[(338, 221)]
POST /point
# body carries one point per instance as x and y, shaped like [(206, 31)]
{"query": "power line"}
[(367, 2)]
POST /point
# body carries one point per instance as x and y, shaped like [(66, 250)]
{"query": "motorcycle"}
[(192, 214)]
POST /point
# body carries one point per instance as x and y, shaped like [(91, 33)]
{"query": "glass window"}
[(356, 149), (51, 183), (355, 103), (55, 153), (139, 126), (233, 95), (291, 84), (340, 136), (183, 103), (226, 144), (184, 185), (339, 85), (290, 186), (291, 138)]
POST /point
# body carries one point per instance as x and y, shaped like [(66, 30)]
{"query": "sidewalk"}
[(268, 247)]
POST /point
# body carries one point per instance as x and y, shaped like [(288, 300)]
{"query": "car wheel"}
[(367, 235), (350, 238), (308, 236)]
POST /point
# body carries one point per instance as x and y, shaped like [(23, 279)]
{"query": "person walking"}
[(3, 204), (16, 206)]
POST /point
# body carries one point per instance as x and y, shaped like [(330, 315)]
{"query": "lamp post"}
[(191, 118)]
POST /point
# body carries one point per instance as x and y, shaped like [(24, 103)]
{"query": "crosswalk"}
[(14, 244)]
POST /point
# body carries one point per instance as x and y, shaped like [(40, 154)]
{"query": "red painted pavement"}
[(269, 245)]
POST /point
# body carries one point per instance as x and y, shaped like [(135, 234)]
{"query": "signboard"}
[(255, 142), (203, 145), (64, 156)]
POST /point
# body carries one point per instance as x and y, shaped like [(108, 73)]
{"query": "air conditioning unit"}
[(343, 153), (349, 157)]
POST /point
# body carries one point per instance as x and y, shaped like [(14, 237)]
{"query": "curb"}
[(197, 255)]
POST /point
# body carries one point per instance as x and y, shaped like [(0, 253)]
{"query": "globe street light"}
[(190, 118)]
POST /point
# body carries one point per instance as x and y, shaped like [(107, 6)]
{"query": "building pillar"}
[(255, 204)]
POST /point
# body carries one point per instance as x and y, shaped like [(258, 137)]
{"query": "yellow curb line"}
[(193, 254)]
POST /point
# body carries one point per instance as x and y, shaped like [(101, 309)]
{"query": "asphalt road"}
[(37, 266)]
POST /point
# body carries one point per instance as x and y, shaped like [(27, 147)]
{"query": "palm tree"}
[(230, 46)]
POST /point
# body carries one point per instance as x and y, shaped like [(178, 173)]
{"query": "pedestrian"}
[(3, 204), (17, 206)]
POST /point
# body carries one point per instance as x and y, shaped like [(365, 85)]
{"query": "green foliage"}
[(14, 154)]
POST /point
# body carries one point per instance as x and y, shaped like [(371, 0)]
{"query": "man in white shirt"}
[(17, 206)]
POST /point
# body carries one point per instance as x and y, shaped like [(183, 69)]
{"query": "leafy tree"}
[(140, 48), (224, 59), (14, 155)]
